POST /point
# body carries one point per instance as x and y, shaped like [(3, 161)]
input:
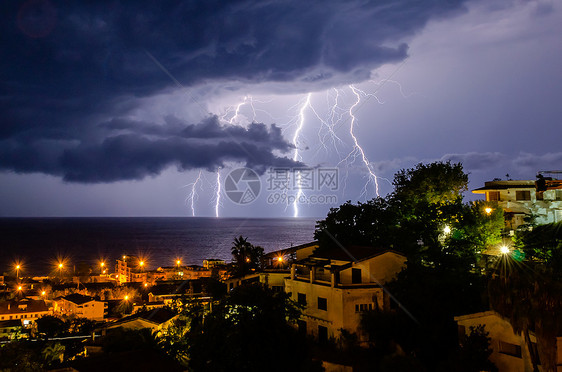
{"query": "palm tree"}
[(247, 257)]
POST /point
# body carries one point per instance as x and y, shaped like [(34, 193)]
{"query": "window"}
[(302, 326), (322, 334), (540, 195), (493, 196), (522, 195), (510, 349), (301, 298), (355, 276), (322, 303), (363, 307)]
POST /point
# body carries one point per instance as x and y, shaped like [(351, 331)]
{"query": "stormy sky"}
[(117, 108)]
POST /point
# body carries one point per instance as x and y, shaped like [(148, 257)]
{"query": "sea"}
[(38, 244)]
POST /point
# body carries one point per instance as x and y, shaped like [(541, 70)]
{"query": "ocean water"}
[(39, 242)]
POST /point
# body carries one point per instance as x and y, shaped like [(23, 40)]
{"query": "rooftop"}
[(78, 299), (351, 253)]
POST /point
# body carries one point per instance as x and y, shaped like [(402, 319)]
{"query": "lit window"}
[(493, 196)]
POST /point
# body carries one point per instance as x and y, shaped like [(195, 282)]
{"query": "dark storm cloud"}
[(129, 154), (67, 66)]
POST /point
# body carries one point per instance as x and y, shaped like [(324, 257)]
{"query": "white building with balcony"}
[(337, 286), (521, 199), (80, 306)]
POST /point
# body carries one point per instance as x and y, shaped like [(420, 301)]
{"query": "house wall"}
[(547, 210), (340, 313), (500, 330), (92, 310), (379, 269)]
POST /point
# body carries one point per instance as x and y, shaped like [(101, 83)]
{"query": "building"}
[(522, 199), (180, 272), (213, 262), (277, 267), (157, 319), (131, 268), (337, 285), (9, 329), (510, 352), (25, 310), (81, 306)]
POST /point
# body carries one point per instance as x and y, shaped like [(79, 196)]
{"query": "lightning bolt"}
[(239, 118), (327, 126), (357, 149), (218, 193), (193, 196), (296, 156)]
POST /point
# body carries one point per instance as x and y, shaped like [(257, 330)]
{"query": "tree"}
[(439, 183), (21, 356), (530, 294), (474, 352), (247, 257), (249, 330), (53, 353), (368, 224), (51, 326)]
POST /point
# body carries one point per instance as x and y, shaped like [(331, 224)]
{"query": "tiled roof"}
[(78, 299), (32, 306), (351, 253)]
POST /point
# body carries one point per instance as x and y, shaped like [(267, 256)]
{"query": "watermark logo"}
[(316, 179), (285, 185), (242, 186)]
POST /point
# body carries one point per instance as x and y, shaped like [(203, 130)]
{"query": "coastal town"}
[(334, 286)]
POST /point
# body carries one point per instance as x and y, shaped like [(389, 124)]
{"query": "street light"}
[(504, 249), (488, 210), (61, 266), (18, 267)]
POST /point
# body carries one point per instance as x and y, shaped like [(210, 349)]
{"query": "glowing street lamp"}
[(43, 293), (447, 229), (488, 210), (126, 298), (61, 266), (504, 249)]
